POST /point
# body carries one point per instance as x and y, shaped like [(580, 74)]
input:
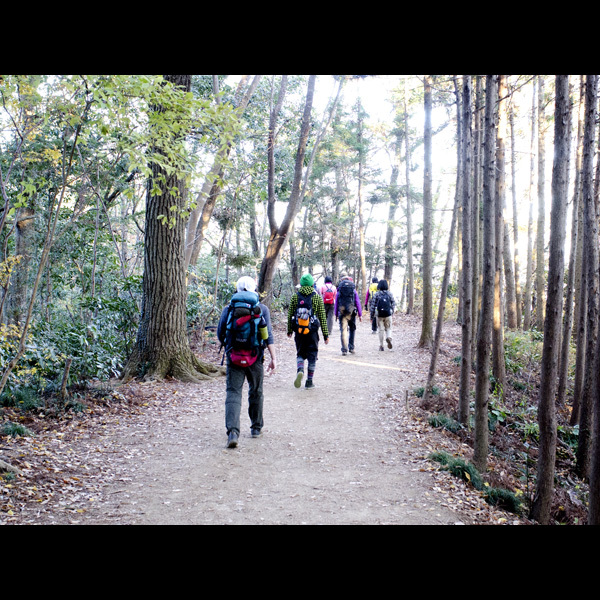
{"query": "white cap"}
[(246, 284)]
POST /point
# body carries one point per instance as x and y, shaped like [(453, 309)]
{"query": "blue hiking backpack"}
[(245, 329)]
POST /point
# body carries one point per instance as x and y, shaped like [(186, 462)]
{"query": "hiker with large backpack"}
[(328, 292), (382, 309), (347, 307), (369, 300), (305, 315), (244, 330)]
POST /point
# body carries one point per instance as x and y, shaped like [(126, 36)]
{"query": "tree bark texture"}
[(18, 286), (162, 346), (570, 292), (410, 291), (427, 324), (541, 217), (467, 255), (498, 363), (476, 208), (484, 336), (590, 250), (527, 300), (542, 501)]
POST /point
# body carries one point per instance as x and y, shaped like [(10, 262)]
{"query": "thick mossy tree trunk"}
[(162, 347)]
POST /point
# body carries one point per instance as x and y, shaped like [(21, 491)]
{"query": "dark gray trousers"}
[(233, 401)]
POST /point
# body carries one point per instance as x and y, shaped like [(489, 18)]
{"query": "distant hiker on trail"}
[(328, 292), (368, 299), (347, 306), (244, 330), (305, 315), (382, 309)]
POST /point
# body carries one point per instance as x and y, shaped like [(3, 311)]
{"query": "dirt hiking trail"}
[(338, 454)]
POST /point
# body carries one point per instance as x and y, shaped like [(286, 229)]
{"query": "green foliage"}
[(497, 413), (201, 302), (504, 499), (441, 420), (418, 392), (21, 398), (458, 467), (569, 435), (33, 367), (15, 430), (528, 430), (98, 348), (522, 349)]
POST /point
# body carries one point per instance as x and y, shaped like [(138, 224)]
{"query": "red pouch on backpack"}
[(243, 358)]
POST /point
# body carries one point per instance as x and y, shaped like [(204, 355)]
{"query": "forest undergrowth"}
[(513, 433), (513, 429)]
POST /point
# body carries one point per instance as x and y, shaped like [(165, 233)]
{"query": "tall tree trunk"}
[(542, 500), (25, 231), (335, 228), (579, 315), (498, 363), (541, 218), (467, 255), (510, 299), (427, 325), (459, 192), (162, 347), (362, 288), (279, 233), (517, 264), (527, 301), (590, 244), (484, 336), (410, 283), (594, 470), (388, 270), (563, 367), (476, 209)]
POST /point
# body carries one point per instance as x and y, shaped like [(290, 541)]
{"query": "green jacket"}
[(318, 309)]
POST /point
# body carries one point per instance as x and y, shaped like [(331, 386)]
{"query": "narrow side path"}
[(330, 455)]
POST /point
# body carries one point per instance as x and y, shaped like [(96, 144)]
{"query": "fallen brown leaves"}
[(62, 470)]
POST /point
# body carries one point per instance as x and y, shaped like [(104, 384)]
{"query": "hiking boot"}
[(309, 384), (389, 342), (298, 380), (232, 439), (254, 432), (381, 348)]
